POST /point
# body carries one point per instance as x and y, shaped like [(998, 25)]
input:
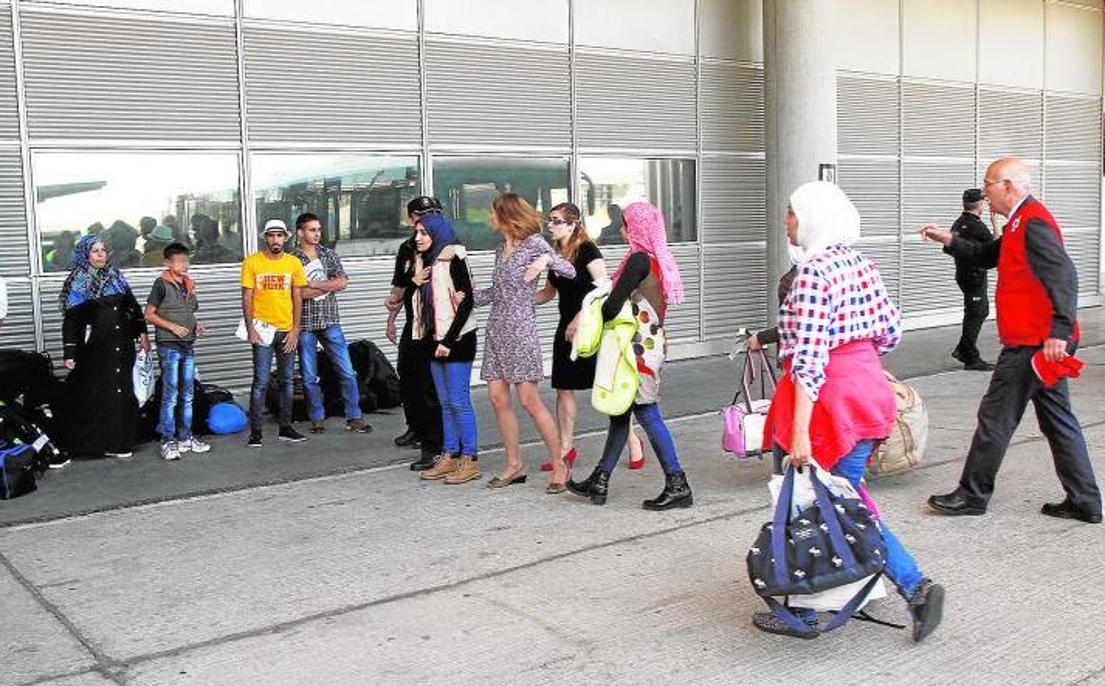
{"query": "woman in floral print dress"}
[(512, 349)]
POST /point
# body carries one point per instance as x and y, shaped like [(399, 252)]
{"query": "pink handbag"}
[(743, 422)]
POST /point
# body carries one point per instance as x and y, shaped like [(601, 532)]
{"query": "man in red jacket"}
[(1037, 301)]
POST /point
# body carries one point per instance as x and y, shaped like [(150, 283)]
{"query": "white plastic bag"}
[(804, 496), (142, 375)]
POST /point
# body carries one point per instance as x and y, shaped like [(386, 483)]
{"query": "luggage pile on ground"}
[(378, 385), (27, 389)]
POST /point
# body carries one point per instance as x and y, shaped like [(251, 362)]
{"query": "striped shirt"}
[(837, 297)]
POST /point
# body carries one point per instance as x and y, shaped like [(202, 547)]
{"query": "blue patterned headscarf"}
[(85, 282), (442, 234)]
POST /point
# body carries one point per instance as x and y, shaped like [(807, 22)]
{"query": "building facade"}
[(203, 118)]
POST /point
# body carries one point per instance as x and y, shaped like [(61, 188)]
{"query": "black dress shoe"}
[(423, 463), (406, 438), (1065, 510), (953, 505), (978, 366)]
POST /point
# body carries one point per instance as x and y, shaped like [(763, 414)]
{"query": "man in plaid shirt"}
[(322, 325)]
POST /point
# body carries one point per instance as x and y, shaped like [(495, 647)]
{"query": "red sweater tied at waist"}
[(856, 403)]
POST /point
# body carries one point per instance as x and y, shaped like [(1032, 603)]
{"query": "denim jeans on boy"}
[(333, 343), (458, 418), (901, 568), (178, 384), (650, 419), (262, 370)]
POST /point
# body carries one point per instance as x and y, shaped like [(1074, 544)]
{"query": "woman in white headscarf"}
[(834, 404)]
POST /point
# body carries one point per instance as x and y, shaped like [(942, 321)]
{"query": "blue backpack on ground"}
[(834, 542), (226, 418), (17, 471)]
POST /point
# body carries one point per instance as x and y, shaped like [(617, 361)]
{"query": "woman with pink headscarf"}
[(649, 279)]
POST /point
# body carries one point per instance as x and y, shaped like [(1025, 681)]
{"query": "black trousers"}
[(420, 405), (1012, 386), (976, 307)]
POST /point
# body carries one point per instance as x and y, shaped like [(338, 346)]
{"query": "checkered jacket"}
[(837, 297), (318, 315)]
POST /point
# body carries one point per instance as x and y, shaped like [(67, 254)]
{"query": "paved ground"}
[(367, 576)]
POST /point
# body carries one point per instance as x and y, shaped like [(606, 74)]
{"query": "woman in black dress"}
[(99, 412), (569, 237)]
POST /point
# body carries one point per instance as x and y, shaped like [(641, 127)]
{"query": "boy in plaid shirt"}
[(321, 324)]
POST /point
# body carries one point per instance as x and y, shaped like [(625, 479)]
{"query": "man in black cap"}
[(972, 281), (420, 404)]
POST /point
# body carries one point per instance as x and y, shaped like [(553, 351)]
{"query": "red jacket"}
[(1024, 308)]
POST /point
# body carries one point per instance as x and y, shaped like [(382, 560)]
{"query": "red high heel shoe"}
[(638, 464), (569, 457)]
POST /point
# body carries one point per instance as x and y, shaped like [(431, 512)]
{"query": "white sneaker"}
[(169, 451), (194, 445)]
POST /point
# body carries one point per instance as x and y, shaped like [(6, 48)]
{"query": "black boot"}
[(676, 493), (423, 463), (594, 487)]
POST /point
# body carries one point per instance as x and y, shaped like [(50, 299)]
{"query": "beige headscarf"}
[(826, 217)]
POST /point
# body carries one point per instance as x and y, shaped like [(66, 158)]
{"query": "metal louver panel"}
[(1073, 194), (1073, 128), (933, 192), (18, 330), (9, 113), (885, 255), (928, 278), (682, 320), (350, 89), (1010, 124), (90, 76), (635, 102), (939, 120), (14, 260), (1084, 248), (480, 94), (734, 200), (732, 108), (872, 186), (866, 116), (362, 303), (736, 285)]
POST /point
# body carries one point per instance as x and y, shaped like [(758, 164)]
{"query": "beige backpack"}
[(906, 444)]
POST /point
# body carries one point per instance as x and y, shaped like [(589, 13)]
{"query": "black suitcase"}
[(17, 473)]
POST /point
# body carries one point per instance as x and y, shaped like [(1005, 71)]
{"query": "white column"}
[(799, 112)]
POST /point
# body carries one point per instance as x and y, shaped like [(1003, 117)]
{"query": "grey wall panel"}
[(735, 288), (734, 199), (1084, 248), (1010, 123), (933, 192), (9, 114), (939, 120), (928, 279), (14, 258), (732, 108), (493, 95), (635, 102), (866, 116), (120, 77), (682, 320), (885, 255), (350, 89), (1073, 128), (1073, 194), (872, 186), (18, 330)]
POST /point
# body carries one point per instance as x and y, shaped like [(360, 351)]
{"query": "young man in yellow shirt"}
[(271, 305)]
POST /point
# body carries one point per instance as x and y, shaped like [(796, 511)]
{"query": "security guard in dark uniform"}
[(972, 281)]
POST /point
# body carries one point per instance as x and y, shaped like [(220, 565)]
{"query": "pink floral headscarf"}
[(644, 227)]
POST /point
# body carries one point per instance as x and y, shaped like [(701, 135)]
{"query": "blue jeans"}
[(178, 385), (262, 370), (333, 343), (458, 418), (650, 419), (901, 568)]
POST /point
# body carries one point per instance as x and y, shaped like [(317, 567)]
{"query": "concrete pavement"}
[(371, 577)]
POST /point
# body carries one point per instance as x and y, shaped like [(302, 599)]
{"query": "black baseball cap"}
[(972, 196), (424, 204)]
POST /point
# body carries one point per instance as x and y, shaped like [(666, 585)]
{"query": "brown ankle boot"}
[(468, 470), (445, 466)]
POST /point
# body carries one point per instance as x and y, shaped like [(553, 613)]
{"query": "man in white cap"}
[(271, 306)]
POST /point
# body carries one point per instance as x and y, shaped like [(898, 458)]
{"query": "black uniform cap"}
[(972, 196), (424, 204)]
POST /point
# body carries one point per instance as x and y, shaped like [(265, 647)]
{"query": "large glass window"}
[(361, 200), (467, 185), (609, 184), (138, 203)]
